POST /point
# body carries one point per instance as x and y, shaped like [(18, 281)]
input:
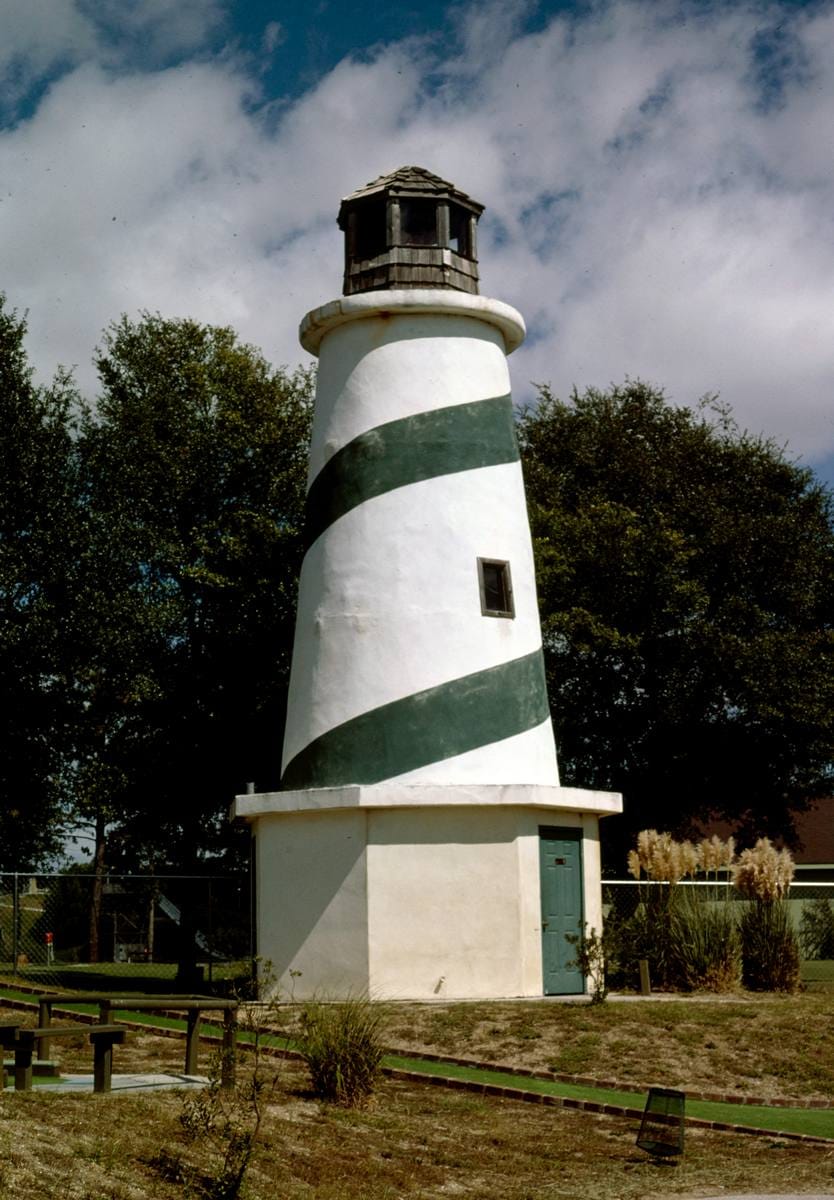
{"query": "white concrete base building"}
[(422, 892), (421, 845)]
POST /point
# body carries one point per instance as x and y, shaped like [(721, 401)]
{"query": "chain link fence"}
[(126, 932), (810, 905), (169, 933)]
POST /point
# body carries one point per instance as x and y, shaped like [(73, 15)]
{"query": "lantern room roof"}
[(413, 181), (409, 229)]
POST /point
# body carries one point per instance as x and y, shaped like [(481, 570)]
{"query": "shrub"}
[(769, 947), (816, 932), (705, 941), (343, 1048), (688, 941), (591, 955), (763, 873), (692, 942), (652, 933)]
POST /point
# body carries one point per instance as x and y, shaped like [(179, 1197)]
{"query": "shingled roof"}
[(411, 181)]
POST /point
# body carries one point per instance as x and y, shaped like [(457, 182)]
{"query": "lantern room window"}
[(496, 588), (418, 222), (459, 231), (369, 236), (410, 229)]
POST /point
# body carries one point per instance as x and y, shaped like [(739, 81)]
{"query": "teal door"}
[(560, 872)]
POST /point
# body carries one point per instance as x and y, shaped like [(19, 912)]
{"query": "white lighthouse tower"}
[(421, 844)]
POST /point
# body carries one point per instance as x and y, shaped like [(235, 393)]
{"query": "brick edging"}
[(616, 1085), (589, 1106)]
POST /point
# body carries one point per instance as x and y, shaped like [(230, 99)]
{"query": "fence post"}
[(645, 982), (210, 936), (253, 908), (15, 925)]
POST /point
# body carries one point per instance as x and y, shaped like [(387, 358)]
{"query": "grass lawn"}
[(411, 1141), (818, 974), (750, 1045), (421, 1141), (122, 977)]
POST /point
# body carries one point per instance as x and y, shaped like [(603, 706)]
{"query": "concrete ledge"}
[(410, 302), (394, 795)]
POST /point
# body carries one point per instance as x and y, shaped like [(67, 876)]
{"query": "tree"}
[(193, 465), (37, 510), (686, 581)]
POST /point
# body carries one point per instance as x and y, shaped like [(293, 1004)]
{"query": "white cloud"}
[(273, 37), (43, 36), (160, 27), (649, 210), (37, 36)]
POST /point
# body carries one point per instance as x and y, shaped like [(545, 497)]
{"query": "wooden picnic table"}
[(191, 1005)]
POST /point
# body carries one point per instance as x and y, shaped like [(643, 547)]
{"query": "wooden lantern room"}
[(410, 229)]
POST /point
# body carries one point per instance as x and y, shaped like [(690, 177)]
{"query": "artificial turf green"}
[(815, 1122)]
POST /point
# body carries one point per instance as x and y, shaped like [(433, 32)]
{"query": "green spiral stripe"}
[(443, 441), (427, 727)]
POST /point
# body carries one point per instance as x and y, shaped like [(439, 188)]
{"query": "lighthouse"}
[(421, 844)]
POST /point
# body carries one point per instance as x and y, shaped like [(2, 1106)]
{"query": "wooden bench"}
[(192, 1006), (8, 1036), (24, 1041)]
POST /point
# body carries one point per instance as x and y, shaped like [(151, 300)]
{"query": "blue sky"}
[(658, 176)]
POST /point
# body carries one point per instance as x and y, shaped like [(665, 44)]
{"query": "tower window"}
[(369, 230), (459, 230), (496, 588), (418, 222)]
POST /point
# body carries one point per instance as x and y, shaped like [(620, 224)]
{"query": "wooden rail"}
[(23, 1042), (192, 1006)]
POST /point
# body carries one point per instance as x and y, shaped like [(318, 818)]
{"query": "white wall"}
[(389, 599), (454, 904), (444, 903), (410, 902), (389, 604), (312, 900), (385, 367)]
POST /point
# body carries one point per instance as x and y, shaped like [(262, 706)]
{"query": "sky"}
[(658, 178)]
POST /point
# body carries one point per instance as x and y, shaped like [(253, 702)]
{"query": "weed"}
[(590, 959), (224, 1122), (343, 1048), (522, 1032), (225, 1125), (446, 1027)]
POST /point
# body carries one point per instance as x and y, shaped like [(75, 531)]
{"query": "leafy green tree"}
[(37, 513), (193, 464), (686, 578)]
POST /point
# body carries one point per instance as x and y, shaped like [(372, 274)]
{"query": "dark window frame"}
[(506, 588), (369, 238), (459, 231), (416, 229)]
